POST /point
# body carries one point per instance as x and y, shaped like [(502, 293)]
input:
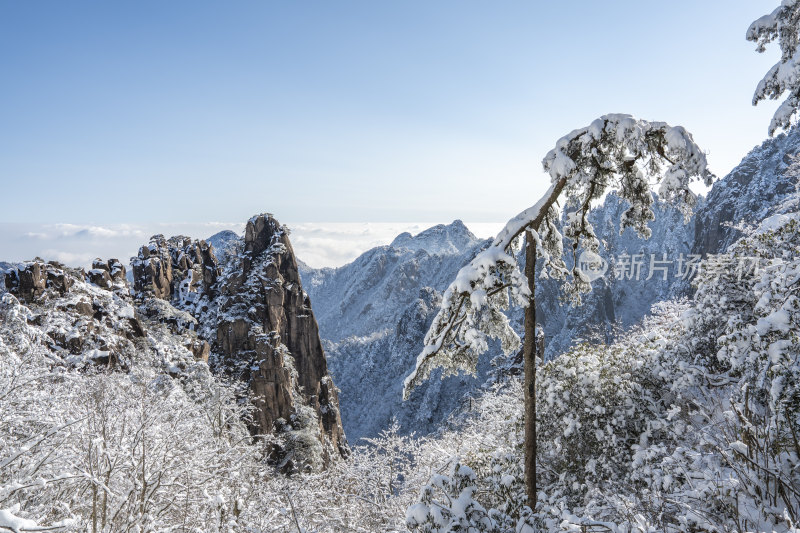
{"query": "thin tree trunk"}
[(529, 358)]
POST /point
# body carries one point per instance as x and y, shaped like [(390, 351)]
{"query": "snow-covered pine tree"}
[(782, 25), (614, 152)]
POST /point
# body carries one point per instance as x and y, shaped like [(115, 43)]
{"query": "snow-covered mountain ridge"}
[(371, 293), (765, 182), (441, 239), (89, 374)]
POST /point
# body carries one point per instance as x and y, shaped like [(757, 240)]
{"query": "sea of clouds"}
[(317, 244)]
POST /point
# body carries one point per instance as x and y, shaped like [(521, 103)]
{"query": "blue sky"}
[(346, 111)]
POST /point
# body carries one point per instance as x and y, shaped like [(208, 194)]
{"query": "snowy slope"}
[(371, 293), (373, 314), (616, 303), (369, 372), (223, 243)]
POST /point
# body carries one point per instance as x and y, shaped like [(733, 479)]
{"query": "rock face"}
[(194, 266), (106, 273), (175, 268), (31, 280), (254, 322), (268, 336), (764, 183)]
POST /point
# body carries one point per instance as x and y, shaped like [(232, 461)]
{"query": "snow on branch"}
[(614, 152), (781, 25), (9, 522)]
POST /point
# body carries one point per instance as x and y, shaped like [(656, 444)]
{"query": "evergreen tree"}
[(614, 152)]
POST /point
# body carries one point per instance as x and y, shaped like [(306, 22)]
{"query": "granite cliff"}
[(247, 318), (267, 336)]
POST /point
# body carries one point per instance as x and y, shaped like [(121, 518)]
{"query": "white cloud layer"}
[(317, 244)]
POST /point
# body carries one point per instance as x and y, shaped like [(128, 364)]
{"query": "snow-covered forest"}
[(493, 386), (687, 422)]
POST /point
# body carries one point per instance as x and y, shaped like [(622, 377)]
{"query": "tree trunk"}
[(529, 358)]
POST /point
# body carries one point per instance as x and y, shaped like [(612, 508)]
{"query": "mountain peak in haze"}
[(441, 239)]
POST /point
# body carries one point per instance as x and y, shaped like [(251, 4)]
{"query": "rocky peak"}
[(195, 266), (152, 269), (253, 321), (441, 239), (268, 336), (260, 233), (106, 273)]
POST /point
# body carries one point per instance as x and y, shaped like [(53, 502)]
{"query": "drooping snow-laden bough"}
[(637, 158), (783, 25)]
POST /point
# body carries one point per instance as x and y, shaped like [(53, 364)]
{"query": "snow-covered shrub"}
[(367, 492), (612, 423), (475, 480), (689, 422), (758, 431), (447, 503), (297, 443), (602, 415), (93, 450), (693, 420)]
